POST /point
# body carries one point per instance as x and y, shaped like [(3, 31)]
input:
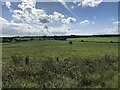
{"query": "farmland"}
[(71, 62)]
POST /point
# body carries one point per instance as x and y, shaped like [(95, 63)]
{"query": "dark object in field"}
[(111, 41), (82, 40), (70, 42), (57, 59), (27, 60)]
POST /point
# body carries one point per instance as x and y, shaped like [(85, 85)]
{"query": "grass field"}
[(39, 50), (97, 39), (47, 55)]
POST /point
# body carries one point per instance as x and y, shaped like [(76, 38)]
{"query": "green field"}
[(39, 50), (98, 53), (97, 39)]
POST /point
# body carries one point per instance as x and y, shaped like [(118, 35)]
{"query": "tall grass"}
[(67, 73)]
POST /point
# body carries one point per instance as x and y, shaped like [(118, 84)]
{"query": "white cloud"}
[(75, 1), (8, 4), (12, 21), (79, 4), (116, 22), (34, 21), (9, 26), (72, 7), (27, 3), (30, 15), (86, 22), (68, 21), (113, 30), (12, 28), (57, 16), (2, 20), (89, 3)]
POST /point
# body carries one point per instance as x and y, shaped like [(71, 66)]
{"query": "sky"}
[(59, 18)]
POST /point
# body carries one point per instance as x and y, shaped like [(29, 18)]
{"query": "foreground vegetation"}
[(67, 73), (58, 64)]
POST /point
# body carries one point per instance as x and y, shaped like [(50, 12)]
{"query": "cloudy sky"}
[(86, 17)]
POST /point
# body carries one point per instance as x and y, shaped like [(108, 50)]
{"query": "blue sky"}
[(99, 18)]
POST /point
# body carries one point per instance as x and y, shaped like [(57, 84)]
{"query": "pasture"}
[(41, 49), (99, 52)]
